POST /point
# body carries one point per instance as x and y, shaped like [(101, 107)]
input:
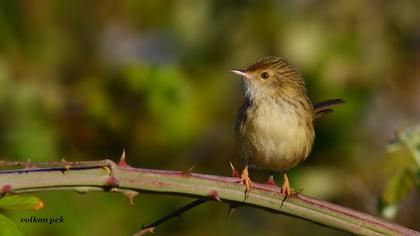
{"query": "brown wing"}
[(322, 108)]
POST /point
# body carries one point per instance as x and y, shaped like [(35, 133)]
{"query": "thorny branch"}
[(105, 175)]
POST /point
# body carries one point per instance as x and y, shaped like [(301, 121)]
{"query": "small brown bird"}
[(275, 124)]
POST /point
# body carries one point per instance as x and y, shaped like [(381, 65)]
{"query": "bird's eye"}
[(264, 75)]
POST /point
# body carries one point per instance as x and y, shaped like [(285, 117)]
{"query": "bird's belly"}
[(275, 141)]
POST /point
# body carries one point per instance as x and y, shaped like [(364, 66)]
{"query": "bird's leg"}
[(246, 181), (285, 188)]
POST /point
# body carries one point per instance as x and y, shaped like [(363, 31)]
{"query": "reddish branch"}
[(105, 175)]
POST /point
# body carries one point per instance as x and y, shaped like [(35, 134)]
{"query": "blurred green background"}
[(82, 80)]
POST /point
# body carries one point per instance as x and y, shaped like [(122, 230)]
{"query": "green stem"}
[(108, 176)]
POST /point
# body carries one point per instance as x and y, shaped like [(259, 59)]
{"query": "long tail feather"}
[(322, 108)]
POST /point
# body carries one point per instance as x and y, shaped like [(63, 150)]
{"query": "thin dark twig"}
[(175, 213)]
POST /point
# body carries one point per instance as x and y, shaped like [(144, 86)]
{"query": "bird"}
[(275, 125)]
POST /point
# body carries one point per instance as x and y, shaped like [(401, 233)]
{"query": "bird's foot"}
[(285, 189), (246, 181)]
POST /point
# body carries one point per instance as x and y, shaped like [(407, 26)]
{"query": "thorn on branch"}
[(130, 195), (214, 194), (112, 181), (122, 163), (7, 188), (270, 181), (234, 172), (188, 172), (29, 165), (65, 165)]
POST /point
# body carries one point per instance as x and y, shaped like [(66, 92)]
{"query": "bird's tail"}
[(322, 108)]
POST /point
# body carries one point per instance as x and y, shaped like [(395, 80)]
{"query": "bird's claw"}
[(246, 181), (286, 190)]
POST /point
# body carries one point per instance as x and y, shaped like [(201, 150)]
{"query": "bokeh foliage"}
[(82, 80)]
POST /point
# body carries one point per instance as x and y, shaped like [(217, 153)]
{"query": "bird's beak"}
[(241, 73)]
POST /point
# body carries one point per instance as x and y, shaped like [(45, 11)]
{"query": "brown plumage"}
[(275, 124)]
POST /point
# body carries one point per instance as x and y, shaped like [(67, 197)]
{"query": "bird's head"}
[(272, 76)]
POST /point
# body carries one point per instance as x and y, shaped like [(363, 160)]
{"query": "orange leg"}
[(285, 188), (246, 181)]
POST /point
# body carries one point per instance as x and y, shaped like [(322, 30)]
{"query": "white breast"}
[(279, 139)]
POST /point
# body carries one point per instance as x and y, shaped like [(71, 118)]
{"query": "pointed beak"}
[(241, 73)]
